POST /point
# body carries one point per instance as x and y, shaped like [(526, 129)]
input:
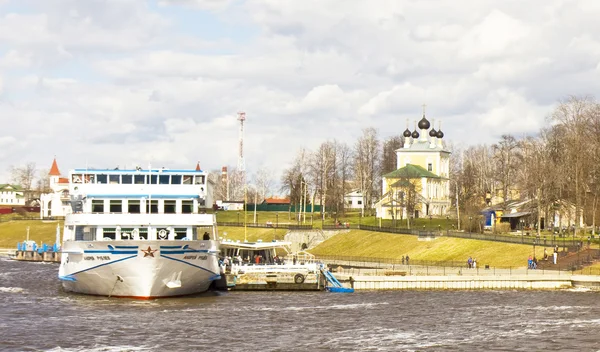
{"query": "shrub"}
[(503, 227)]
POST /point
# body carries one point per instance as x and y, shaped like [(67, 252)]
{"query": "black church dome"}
[(424, 124)]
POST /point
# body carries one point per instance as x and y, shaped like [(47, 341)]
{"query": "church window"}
[(429, 167)]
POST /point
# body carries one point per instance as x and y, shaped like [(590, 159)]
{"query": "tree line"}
[(559, 164)]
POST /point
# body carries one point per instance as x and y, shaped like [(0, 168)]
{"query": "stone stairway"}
[(571, 260)]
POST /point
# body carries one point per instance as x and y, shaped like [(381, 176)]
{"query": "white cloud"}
[(120, 82)]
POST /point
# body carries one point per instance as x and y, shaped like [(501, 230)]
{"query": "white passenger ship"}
[(139, 233)]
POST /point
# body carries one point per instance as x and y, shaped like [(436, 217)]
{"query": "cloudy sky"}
[(109, 83)]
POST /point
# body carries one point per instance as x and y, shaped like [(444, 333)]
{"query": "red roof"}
[(54, 169), (198, 167), (63, 180), (277, 201)]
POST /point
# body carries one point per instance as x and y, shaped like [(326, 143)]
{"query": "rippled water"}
[(36, 315)]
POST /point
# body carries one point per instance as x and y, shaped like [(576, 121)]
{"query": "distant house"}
[(523, 213), (11, 195), (354, 200), (515, 212), (279, 201), (230, 204)]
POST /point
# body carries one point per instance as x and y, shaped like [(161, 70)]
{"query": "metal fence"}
[(266, 226), (385, 266), (548, 241)]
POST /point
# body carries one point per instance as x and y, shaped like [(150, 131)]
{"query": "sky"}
[(107, 83)]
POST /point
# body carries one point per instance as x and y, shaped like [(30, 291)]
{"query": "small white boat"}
[(259, 266), (139, 233)]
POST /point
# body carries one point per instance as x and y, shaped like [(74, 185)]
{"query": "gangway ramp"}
[(333, 284)]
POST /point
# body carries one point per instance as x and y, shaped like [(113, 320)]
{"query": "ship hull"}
[(139, 269)]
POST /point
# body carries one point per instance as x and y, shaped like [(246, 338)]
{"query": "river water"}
[(36, 315)]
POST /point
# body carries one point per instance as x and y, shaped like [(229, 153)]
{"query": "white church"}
[(55, 204), (423, 166)]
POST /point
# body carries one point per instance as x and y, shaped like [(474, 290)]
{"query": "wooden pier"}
[(35, 256)]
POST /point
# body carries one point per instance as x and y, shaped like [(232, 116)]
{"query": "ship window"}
[(163, 179), (175, 179), (89, 178), (114, 179), (187, 206), (101, 178), (89, 234), (116, 206), (139, 179), (152, 206), (170, 207), (76, 178), (187, 179), (199, 180), (133, 206), (153, 180), (143, 232), (126, 179), (180, 232), (97, 206), (109, 233)]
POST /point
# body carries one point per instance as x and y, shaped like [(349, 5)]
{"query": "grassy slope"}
[(15, 231), (353, 243), (383, 245)]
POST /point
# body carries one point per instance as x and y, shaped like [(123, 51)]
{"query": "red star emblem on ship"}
[(148, 252)]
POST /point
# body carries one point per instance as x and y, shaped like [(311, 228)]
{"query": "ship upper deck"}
[(138, 183)]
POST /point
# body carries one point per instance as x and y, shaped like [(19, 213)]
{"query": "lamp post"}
[(277, 221), (238, 218), (521, 222), (470, 218), (429, 220)]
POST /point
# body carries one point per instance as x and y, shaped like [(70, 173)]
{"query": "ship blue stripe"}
[(161, 247), (186, 251), (66, 278), (103, 264), (97, 251), (133, 247), (196, 266)]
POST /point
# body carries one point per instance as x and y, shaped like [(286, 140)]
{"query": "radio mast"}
[(241, 163)]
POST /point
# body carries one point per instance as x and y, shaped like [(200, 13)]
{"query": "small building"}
[(11, 195), (230, 205), (276, 202), (354, 200), (57, 202)]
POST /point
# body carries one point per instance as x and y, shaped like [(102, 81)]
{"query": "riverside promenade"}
[(381, 276)]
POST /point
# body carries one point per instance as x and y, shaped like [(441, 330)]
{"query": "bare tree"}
[(389, 160), (536, 175), (508, 158), (24, 176), (264, 182), (575, 113), (366, 158)]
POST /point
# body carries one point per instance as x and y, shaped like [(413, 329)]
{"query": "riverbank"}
[(7, 252), (471, 282)]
